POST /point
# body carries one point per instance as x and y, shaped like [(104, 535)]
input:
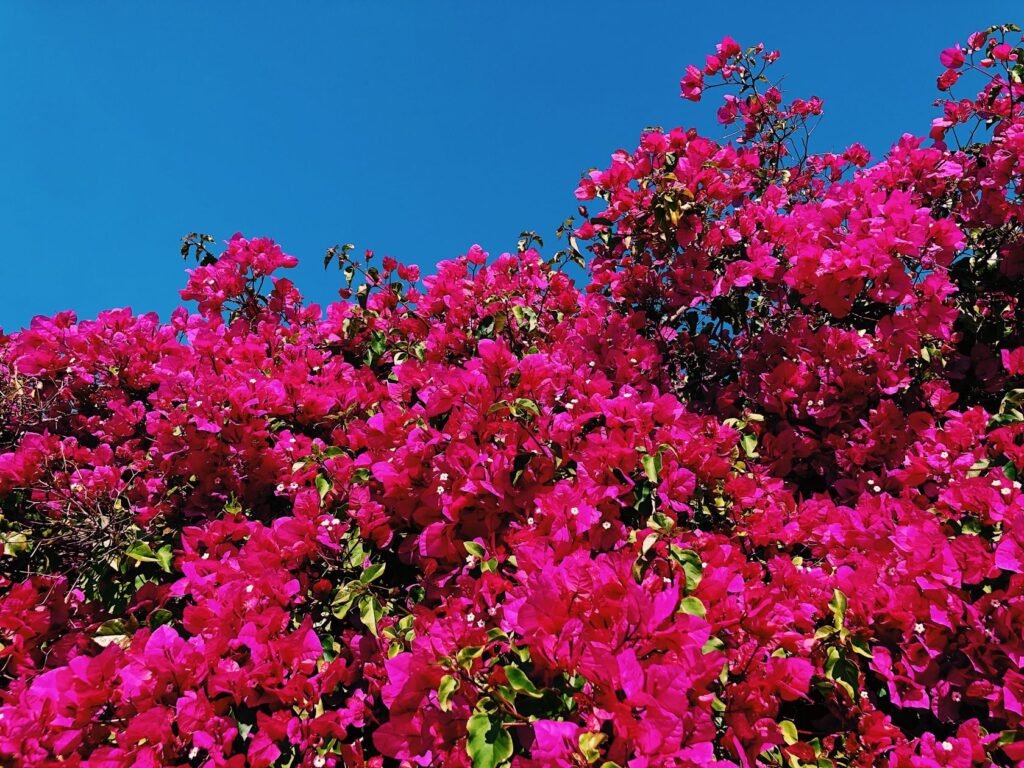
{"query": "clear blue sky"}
[(415, 128)]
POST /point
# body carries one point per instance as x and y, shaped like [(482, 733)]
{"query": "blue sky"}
[(414, 128)]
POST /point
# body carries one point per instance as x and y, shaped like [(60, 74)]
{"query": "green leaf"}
[(14, 543), (159, 617), (845, 673), (343, 600), (466, 655), (497, 633), (165, 557), (528, 405), (323, 486), (693, 568), (475, 549), (713, 644), (372, 573), (838, 605), (590, 745), (789, 733), (860, 646), (370, 613), (525, 316), (649, 541), (693, 606), (652, 465), (141, 551), (521, 683), (1008, 737), (448, 686), (112, 632), (489, 744)]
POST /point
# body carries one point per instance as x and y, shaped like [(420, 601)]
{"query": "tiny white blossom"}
[(574, 511), (919, 627), (947, 746), (444, 477), (248, 587), (606, 525), (470, 617)]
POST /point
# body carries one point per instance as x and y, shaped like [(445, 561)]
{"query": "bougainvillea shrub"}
[(748, 497)]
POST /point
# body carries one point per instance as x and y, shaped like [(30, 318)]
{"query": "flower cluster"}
[(750, 496)]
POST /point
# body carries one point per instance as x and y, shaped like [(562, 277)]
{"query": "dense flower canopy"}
[(749, 496)]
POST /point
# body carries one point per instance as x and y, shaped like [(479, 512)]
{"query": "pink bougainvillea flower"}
[(952, 57)]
